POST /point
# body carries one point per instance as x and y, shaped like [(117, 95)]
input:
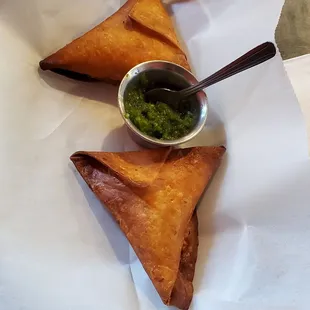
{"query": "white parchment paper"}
[(298, 70), (60, 249)]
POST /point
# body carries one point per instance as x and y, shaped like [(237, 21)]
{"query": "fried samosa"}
[(152, 194), (141, 30)]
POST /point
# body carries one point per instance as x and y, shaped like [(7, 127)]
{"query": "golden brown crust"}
[(139, 171), (158, 217), (155, 18), (130, 36)]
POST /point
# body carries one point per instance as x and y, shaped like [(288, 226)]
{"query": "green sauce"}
[(157, 119)]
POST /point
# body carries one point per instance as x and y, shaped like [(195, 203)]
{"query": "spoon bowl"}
[(168, 96)]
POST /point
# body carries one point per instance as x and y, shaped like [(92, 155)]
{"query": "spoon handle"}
[(252, 58)]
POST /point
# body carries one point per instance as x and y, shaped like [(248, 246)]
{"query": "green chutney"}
[(157, 120)]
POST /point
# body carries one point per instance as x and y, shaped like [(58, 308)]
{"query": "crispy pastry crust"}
[(152, 194), (141, 30)]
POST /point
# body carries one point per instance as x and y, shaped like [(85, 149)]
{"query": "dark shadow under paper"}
[(97, 91)]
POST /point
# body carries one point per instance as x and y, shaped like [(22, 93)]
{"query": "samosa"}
[(141, 30), (152, 194)]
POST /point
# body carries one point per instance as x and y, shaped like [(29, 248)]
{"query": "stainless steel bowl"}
[(163, 74)]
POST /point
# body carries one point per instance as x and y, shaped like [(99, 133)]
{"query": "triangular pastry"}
[(141, 30), (152, 195)]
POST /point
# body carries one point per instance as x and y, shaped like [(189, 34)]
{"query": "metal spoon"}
[(252, 58)]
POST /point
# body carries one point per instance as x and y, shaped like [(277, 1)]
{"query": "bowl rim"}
[(202, 98)]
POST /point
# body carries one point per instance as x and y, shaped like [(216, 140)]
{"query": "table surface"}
[(293, 31), (293, 40)]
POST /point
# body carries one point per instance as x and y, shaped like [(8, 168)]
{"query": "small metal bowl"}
[(169, 75)]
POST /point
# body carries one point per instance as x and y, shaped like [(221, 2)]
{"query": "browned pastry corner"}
[(152, 194), (141, 30)]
